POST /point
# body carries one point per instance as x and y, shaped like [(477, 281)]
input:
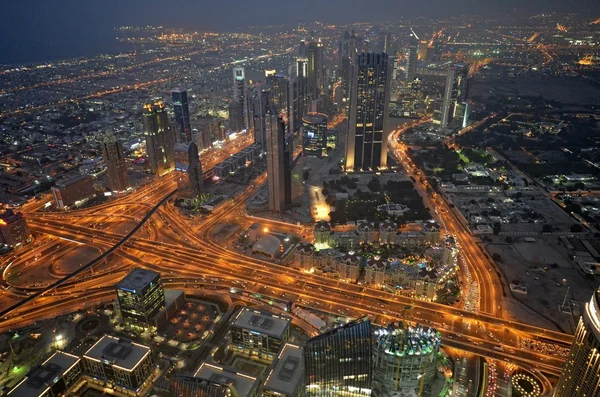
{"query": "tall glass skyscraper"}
[(366, 146), (160, 141), (117, 178), (340, 361), (182, 115), (141, 297), (581, 373)]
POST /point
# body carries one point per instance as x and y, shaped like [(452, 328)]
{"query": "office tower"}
[(422, 54), (455, 92), (122, 363), (261, 101), (13, 229), (117, 178), (385, 43), (411, 58), (315, 69), (72, 190), (187, 161), (314, 134), (347, 54), (581, 373), (405, 358), (141, 297), (240, 105), (160, 140), (182, 115), (59, 375), (259, 333), (366, 146), (298, 91), (278, 163), (340, 361), (277, 84)]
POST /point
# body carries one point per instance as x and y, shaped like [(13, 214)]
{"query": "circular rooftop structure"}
[(315, 118)]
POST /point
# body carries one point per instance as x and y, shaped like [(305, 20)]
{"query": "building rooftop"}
[(70, 178), (263, 322), (315, 118), (9, 216), (40, 378), (118, 351), (268, 245), (306, 248), (245, 385), (286, 375), (137, 279)]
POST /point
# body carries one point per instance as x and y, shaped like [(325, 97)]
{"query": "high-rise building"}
[(117, 178), (314, 134), (298, 96), (347, 59), (72, 190), (278, 163), (187, 161), (581, 373), (315, 68), (240, 105), (13, 229), (261, 101), (141, 297), (423, 46), (366, 146), (405, 358), (182, 115), (455, 93), (411, 58), (160, 140), (340, 361)]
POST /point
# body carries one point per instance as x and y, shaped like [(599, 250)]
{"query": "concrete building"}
[(14, 231), (241, 385), (387, 232), (366, 231), (348, 266), (72, 190), (117, 178), (278, 164), (182, 115), (141, 297), (375, 272), (322, 232), (59, 375), (259, 333), (126, 365), (304, 256), (190, 386), (285, 377), (314, 134), (187, 162)]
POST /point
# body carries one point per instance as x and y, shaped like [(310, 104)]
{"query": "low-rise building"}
[(259, 333), (304, 256), (285, 377), (387, 232), (72, 190), (348, 266), (241, 384), (366, 231)]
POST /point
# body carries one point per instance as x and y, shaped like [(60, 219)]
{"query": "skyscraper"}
[(347, 59), (261, 100), (315, 69), (141, 297), (455, 93), (182, 115), (298, 91), (240, 105), (117, 178), (340, 361), (187, 160), (366, 146), (278, 163), (411, 58), (160, 140), (581, 373)]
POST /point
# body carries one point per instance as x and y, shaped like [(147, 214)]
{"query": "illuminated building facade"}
[(259, 333), (279, 163), (240, 117), (411, 58), (455, 93), (298, 97), (285, 377), (72, 190), (581, 373), (366, 146), (14, 231), (340, 361), (315, 69), (189, 386), (59, 375), (125, 364), (182, 115), (141, 297), (314, 134), (117, 178), (405, 358), (160, 140)]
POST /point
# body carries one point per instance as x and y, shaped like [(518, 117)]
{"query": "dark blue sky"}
[(34, 30)]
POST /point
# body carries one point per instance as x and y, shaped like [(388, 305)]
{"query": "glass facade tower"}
[(182, 115)]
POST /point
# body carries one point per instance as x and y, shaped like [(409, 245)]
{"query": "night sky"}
[(33, 30)]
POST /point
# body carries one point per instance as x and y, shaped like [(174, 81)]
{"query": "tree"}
[(305, 175), (576, 228), (497, 227)]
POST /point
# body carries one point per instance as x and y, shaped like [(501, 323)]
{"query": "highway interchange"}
[(185, 252)]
